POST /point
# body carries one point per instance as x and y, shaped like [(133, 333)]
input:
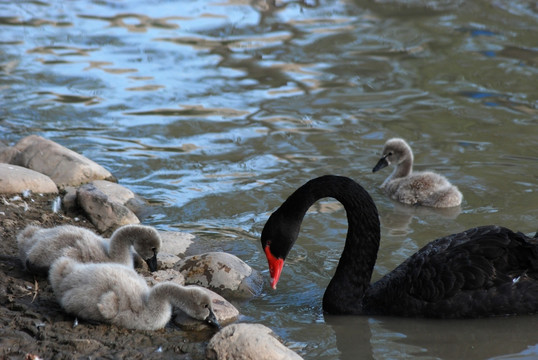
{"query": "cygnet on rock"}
[(39, 247), (116, 294), (419, 188)]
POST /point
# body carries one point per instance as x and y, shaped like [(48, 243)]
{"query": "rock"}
[(167, 261), (120, 194), (69, 200), (8, 154), (103, 212), (165, 275), (65, 167), (247, 342), (15, 179), (225, 312), (223, 273), (175, 242)]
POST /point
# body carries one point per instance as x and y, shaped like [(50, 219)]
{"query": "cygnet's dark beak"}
[(152, 262), (212, 319), (381, 164)]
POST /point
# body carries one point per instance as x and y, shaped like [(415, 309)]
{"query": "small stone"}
[(167, 261), (120, 194), (175, 242), (164, 275), (64, 166), (248, 342), (105, 214), (8, 154), (69, 200), (16, 179), (223, 273)]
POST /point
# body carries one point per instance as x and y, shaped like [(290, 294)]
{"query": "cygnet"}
[(116, 294), (39, 247), (419, 188)]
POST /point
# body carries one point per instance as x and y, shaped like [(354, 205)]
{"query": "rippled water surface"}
[(215, 111)]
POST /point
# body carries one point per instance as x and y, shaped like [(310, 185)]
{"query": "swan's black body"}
[(484, 271)]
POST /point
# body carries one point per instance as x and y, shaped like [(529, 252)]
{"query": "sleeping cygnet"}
[(39, 247), (116, 294), (420, 188)]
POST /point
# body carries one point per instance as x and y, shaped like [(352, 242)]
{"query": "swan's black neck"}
[(352, 277)]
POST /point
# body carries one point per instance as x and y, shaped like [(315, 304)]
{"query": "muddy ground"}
[(33, 324)]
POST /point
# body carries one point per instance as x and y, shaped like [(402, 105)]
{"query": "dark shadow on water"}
[(500, 337)]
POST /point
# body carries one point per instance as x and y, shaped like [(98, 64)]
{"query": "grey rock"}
[(164, 275), (105, 213), (247, 342), (64, 166), (223, 273), (15, 179), (175, 242), (69, 200), (8, 154), (167, 261), (120, 194)]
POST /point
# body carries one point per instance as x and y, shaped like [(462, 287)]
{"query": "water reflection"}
[(388, 337), (398, 220), (136, 22)]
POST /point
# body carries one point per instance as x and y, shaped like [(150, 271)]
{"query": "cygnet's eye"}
[(206, 306), (390, 153)]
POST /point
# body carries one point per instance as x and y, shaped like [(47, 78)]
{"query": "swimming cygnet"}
[(116, 294), (39, 247), (420, 188)]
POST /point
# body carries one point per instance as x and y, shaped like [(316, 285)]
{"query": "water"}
[(217, 111)]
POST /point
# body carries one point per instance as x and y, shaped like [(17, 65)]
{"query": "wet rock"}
[(15, 179), (247, 342), (164, 275), (64, 166), (223, 273), (104, 212), (225, 312)]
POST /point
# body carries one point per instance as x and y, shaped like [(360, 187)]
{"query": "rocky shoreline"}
[(43, 183)]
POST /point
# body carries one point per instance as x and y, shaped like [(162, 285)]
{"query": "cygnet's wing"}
[(108, 305)]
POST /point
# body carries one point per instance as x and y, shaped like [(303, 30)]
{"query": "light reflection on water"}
[(216, 112)]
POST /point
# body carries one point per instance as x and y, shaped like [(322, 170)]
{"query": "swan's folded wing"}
[(108, 304), (481, 262)]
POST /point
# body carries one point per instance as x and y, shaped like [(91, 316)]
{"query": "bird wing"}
[(477, 259), (108, 304)]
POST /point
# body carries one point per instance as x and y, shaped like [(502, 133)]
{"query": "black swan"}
[(424, 188), (484, 271)]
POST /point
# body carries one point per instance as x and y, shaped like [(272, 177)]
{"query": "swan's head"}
[(278, 236), (395, 151), (146, 242), (197, 304)]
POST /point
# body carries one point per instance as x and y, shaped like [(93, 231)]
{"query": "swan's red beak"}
[(275, 266)]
